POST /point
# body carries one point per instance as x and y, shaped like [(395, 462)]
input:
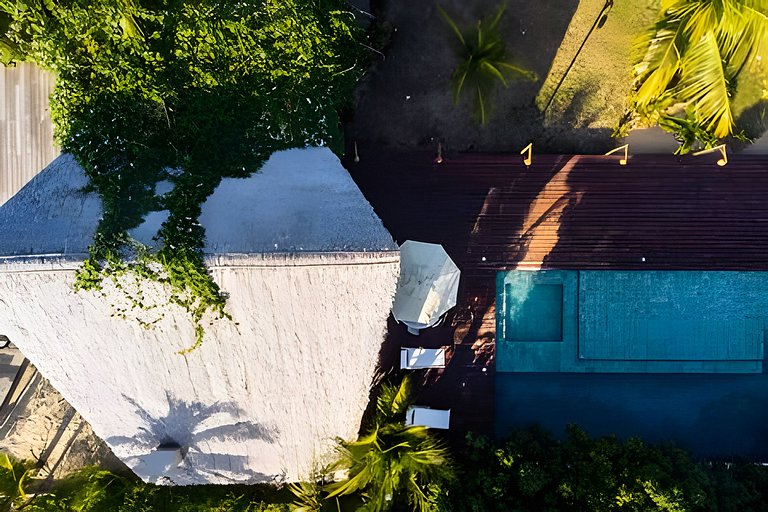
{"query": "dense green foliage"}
[(391, 467), (688, 64), (14, 481), (532, 471), (482, 56), (96, 490), (184, 92)]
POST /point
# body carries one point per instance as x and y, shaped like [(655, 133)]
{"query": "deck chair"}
[(430, 418), (420, 358)]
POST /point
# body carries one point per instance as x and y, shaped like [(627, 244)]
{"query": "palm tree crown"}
[(393, 463), (687, 64), (482, 61)]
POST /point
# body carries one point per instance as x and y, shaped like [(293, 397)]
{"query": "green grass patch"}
[(596, 90)]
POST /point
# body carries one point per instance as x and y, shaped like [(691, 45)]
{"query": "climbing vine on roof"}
[(152, 91)]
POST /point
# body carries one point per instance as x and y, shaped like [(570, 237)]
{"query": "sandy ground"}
[(48, 430)]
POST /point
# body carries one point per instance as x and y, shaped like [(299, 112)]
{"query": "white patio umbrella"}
[(428, 285)]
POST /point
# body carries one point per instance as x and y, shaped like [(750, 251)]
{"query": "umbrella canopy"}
[(428, 285)]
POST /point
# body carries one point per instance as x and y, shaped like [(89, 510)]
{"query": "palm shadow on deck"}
[(448, 204)]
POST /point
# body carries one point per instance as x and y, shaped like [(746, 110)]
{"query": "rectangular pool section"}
[(631, 321)]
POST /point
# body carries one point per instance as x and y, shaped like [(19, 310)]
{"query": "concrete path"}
[(10, 360)]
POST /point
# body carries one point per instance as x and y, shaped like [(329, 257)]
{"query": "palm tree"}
[(688, 64), (393, 464), (482, 61)]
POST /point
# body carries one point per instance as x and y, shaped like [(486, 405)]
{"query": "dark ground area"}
[(404, 101), (721, 416)]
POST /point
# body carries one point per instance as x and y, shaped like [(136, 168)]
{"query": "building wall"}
[(26, 130), (262, 399)]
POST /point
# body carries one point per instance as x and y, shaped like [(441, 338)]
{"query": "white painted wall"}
[(260, 400)]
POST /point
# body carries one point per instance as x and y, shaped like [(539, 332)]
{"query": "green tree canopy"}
[(533, 471), (393, 466)]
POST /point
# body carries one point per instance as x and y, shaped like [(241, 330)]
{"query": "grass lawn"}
[(594, 94)]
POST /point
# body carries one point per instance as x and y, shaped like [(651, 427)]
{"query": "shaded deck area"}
[(492, 213), (419, 200)]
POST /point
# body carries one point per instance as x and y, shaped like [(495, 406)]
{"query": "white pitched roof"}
[(302, 200), (264, 396)]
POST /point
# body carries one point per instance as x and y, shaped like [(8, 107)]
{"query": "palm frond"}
[(451, 24), (494, 21), (660, 64), (480, 106), (494, 71), (703, 81), (741, 35), (516, 70), (458, 80), (394, 400), (308, 497), (701, 17), (353, 484)]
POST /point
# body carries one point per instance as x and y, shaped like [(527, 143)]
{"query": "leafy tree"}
[(688, 64), (393, 466), (482, 56), (533, 471), (187, 92)]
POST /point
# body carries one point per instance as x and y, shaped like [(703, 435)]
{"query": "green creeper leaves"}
[(186, 92)]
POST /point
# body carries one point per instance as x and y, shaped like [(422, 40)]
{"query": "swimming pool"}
[(666, 356), (631, 321), (709, 414)]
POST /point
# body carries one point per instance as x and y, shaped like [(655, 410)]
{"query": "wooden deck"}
[(440, 204), (26, 130), (491, 213)]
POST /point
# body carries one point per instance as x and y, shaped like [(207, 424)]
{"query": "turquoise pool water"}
[(631, 321), (536, 317), (711, 415), (666, 356)]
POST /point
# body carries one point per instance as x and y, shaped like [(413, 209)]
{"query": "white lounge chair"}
[(419, 358), (430, 418)]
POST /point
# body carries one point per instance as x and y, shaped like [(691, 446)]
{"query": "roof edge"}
[(68, 262)]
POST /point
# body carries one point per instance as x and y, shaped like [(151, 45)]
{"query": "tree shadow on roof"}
[(192, 426)]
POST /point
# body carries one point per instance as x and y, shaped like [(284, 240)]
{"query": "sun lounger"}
[(431, 418), (419, 358)]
